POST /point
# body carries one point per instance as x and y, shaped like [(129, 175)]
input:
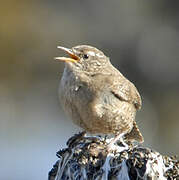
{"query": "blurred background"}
[(140, 37)]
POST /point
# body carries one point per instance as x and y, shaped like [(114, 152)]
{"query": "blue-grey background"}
[(140, 37)]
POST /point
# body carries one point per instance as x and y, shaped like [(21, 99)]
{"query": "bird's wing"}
[(125, 91)]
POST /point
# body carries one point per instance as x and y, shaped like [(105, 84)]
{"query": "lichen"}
[(88, 158)]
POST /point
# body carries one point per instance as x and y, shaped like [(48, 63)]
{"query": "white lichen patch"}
[(91, 53), (155, 167)]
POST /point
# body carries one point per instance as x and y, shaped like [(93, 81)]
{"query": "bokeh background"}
[(140, 37)]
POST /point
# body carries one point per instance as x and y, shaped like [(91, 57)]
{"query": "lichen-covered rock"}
[(88, 158)]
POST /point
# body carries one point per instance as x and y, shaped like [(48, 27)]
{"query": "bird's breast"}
[(95, 110), (75, 97)]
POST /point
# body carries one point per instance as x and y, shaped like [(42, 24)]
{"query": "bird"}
[(97, 96)]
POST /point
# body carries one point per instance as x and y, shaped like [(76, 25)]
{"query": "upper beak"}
[(73, 58)]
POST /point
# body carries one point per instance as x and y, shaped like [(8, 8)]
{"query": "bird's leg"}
[(112, 146), (105, 137), (92, 138)]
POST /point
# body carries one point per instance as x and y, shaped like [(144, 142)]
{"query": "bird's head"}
[(85, 58)]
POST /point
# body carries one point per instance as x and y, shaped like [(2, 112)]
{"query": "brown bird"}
[(96, 96)]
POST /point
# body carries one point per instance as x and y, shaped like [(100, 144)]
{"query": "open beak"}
[(73, 58)]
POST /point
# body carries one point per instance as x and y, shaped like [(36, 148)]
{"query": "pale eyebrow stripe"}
[(91, 53)]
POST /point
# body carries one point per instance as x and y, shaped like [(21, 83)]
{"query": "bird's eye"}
[(85, 56)]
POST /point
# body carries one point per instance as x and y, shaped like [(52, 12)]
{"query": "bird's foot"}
[(112, 146), (92, 138), (76, 138)]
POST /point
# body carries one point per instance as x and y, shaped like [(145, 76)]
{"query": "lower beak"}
[(73, 58)]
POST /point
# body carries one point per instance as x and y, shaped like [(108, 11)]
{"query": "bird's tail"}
[(135, 134)]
